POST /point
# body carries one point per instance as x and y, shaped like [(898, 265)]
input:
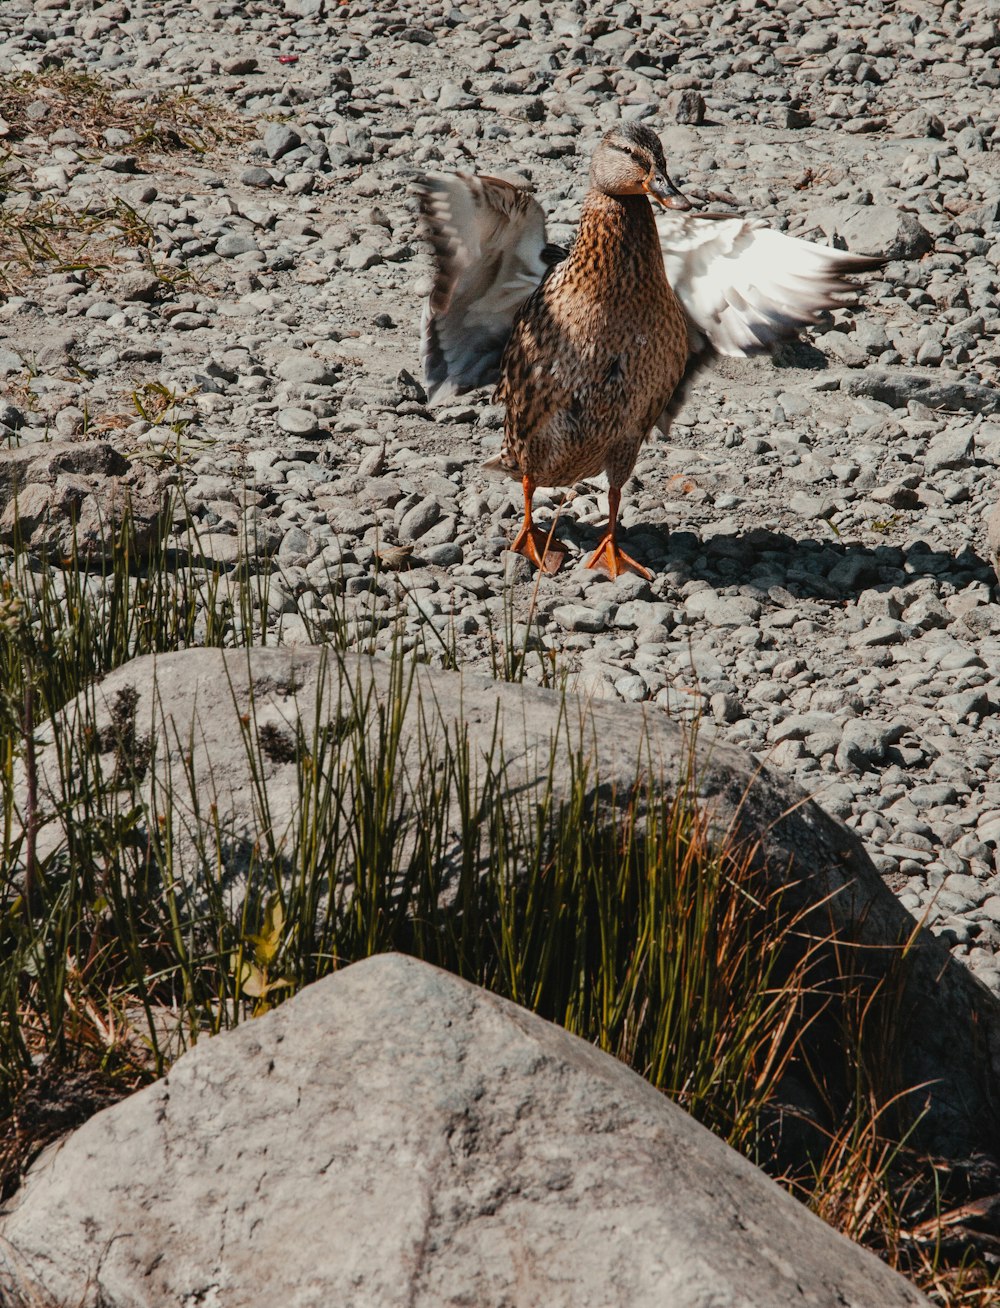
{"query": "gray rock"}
[(901, 388), (643, 613), (298, 422), (726, 708), (279, 139), (953, 449), (143, 287), (239, 65), (63, 496), (578, 617), (10, 361), (920, 123), (965, 704), (11, 416), (306, 368), (419, 519), (415, 1140), (799, 725), (882, 631), (722, 610), (843, 348), (259, 177), (234, 243), (687, 107), (875, 229), (993, 538)]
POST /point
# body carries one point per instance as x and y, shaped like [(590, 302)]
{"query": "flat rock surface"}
[(395, 1136), (834, 501)]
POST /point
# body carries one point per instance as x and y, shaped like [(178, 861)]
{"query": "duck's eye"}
[(634, 155)]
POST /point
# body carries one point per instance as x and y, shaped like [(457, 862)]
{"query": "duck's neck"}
[(617, 238)]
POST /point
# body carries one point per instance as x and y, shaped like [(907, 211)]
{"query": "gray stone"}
[(869, 739), (643, 613), (726, 708), (239, 65), (306, 368), (259, 177), (143, 287), (722, 610), (419, 519), (993, 538), (279, 139), (799, 725), (298, 422), (445, 555), (414, 1140), (875, 229), (578, 617), (71, 495), (10, 361), (687, 107), (234, 243), (920, 123), (965, 704), (11, 416), (882, 631), (900, 388), (953, 449)]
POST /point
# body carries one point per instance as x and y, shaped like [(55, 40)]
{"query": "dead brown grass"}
[(46, 236), (83, 103)]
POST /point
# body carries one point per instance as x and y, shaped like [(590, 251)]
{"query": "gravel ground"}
[(817, 523)]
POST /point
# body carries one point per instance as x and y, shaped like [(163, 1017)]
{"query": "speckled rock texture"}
[(395, 1136)]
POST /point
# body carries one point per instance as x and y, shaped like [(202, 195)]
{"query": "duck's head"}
[(629, 161)]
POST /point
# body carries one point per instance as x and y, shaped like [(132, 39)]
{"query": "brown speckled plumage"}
[(595, 353)]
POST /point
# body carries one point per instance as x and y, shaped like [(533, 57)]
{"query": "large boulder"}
[(66, 496), (198, 709), (396, 1136)]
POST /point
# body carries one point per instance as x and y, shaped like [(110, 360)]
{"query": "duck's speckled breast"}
[(597, 351)]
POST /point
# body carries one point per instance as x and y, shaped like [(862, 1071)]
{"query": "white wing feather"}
[(743, 285)]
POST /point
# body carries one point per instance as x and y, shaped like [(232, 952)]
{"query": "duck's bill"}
[(661, 188)]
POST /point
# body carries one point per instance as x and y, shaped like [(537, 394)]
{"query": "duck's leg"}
[(608, 557), (540, 546)]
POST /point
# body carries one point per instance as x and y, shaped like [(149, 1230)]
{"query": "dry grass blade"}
[(84, 103)]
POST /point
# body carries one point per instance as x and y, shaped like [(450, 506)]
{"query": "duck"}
[(587, 346)]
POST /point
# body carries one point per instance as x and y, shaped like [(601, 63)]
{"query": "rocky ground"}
[(817, 524)]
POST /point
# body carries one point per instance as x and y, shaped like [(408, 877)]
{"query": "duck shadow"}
[(758, 560)]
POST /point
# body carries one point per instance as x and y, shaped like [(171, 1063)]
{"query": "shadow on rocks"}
[(775, 566)]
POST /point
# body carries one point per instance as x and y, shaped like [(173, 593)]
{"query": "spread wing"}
[(489, 255), (743, 285)]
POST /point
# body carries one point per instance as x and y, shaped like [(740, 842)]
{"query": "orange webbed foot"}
[(546, 552), (610, 559)]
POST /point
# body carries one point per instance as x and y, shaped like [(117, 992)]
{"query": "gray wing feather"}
[(488, 239)]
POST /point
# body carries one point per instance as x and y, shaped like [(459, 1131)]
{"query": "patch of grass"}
[(74, 99), (883, 526), (47, 236), (42, 237)]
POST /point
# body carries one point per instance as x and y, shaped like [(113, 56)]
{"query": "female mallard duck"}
[(587, 347)]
